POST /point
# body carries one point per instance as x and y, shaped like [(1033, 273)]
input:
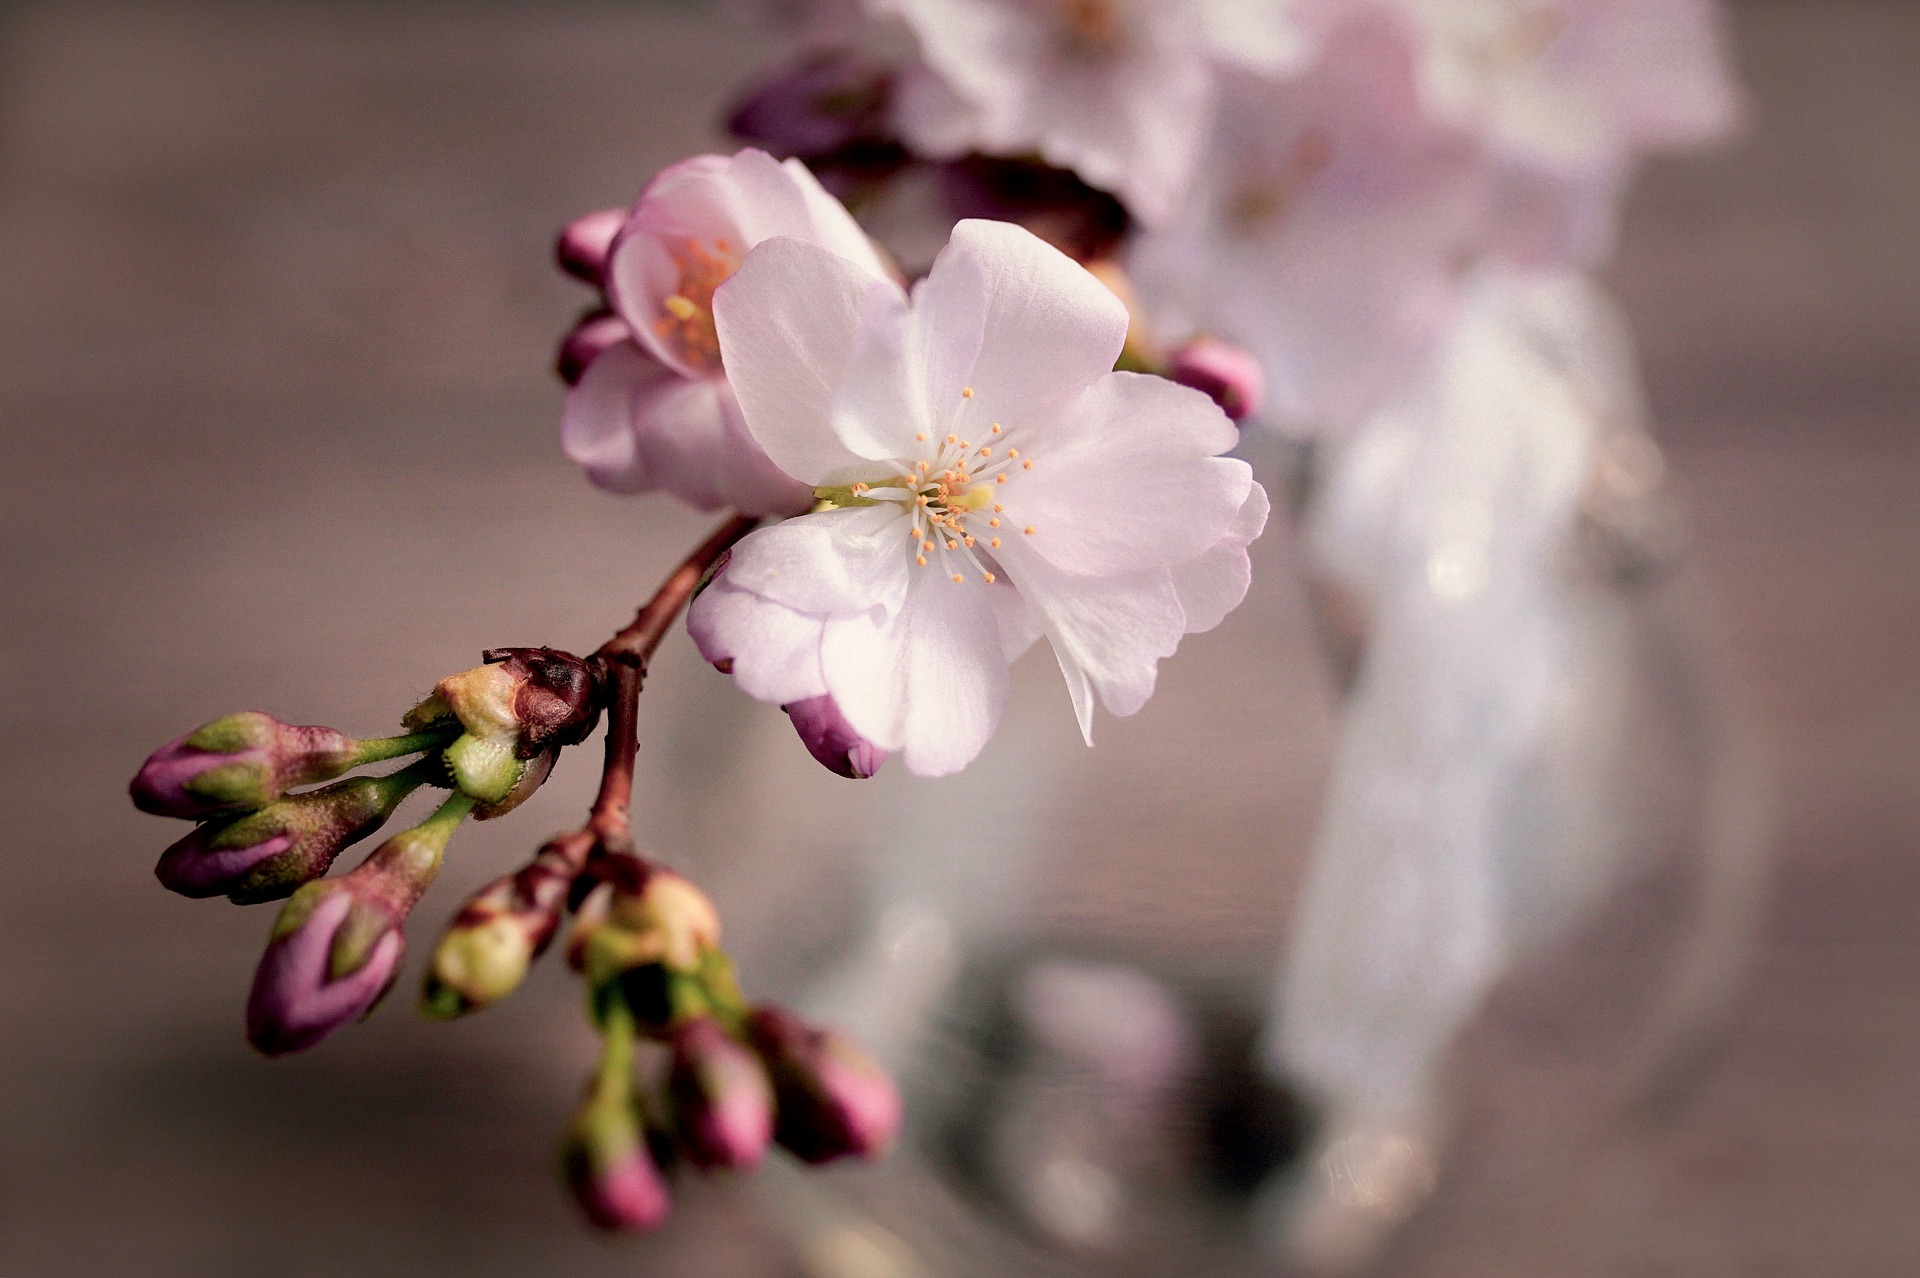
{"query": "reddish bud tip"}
[(586, 342), (722, 1100), (585, 242), (1224, 373), (832, 1100), (828, 736)]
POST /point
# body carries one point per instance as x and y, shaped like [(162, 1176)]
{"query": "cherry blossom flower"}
[(1328, 234), (991, 480), (655, 411), (1119, 91), (1569, 93)]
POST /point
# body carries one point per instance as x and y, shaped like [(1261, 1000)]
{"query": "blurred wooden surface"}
[(275, 313)]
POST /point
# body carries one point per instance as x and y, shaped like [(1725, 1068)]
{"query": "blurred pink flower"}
[(655, 412), (1329, 229), (1568, 94), (1119, 91), (995, 479)]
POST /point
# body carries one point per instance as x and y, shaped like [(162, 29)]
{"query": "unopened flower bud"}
[(828, 736), (722, 1100), (826, 102), (520, 704), (584, 243), (666, 921), (1222, 371), (500, 932), (239, 761), (336, 946), (831, 1099), (613, 1177), (585, 342), (604, 1156), (266, 854)]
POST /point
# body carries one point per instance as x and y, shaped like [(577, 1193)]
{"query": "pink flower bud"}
[(330, 967), (585, 242), (832, 740), (243, 760), (336, 946), (586, 340), (1223, 372), (722, 1101), (266, 854), (831, 1099), (607, 1165), (622, 1192)]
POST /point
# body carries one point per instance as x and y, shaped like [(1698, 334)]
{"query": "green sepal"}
[(232, 733), (233, 784)]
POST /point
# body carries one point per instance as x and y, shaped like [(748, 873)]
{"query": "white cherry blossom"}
[(655, 412), (1329, 229), (1119, 91), (993, 481), (1569, 94)]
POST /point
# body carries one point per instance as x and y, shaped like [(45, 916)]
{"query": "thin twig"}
[(623, 663)]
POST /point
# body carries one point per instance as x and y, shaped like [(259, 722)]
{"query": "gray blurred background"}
[(275, 322)]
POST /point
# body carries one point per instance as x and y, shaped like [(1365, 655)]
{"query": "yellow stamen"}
[(679, 307), (966, 392)]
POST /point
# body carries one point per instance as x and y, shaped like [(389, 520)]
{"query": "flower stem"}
[(374, 749), (623, 658)]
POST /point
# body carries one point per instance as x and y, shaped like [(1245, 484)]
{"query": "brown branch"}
[(622, 661)]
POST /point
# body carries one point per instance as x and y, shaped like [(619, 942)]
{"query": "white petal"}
[(1212, 584), (1043, 326), (596, 426), (930, 682), (697, 448), (1114, 630), (831, 226), (839, 561), (1020, 625), (1127, 480), (773, 651), (882, 408), (788, 321)]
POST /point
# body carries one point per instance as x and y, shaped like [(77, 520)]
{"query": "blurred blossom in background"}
[(1420, 925)]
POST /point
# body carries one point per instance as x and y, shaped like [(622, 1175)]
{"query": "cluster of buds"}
[(689, 1071), (489, 735)]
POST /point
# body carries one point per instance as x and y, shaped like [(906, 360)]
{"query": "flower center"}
[(687, 325), (1090, 28), (950, 499)]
